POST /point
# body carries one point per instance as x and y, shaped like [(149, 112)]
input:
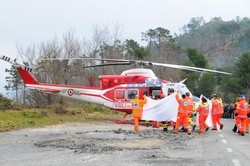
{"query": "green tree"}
[(13, 81), (199, 84), (206, 84), (242, 71), (134, 49), (197, 58), (232, 85)]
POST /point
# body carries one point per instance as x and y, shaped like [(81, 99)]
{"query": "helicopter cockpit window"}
[(120, 94), (132, 94)]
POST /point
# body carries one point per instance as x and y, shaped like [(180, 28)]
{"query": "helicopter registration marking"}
[(121, 105)]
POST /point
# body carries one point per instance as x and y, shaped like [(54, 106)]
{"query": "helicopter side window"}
[(132, 94), (120, 94)]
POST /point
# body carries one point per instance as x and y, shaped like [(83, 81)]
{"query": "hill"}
[(222, 42)]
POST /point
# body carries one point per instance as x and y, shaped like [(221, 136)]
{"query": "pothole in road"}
[(118, 140)]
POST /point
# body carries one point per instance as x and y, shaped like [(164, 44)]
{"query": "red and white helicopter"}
[(115, 91)]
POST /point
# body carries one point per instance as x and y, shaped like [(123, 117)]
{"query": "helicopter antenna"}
[(171, 80)]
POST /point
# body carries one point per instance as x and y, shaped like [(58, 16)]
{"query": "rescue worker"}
[(182, 117), (190, 109), (220, 112), (237, 120), (165, 123), (217, 111), (242, 113), (137, 108), (203, 110)]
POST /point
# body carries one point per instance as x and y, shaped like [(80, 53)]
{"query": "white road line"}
[(224, 141), (221, 135), (229, 150), (236, 162)]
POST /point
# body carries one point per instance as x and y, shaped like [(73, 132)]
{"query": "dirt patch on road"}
[(118, 140)]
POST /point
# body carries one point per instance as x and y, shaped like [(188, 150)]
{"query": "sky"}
[(27, 22)]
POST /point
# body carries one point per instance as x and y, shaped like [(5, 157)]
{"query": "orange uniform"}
[(217, 112), (237, 120), (203, 110), (182, 115), (137, 108), (242, 111)]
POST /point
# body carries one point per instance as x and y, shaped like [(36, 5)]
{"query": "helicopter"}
[(115, 91)]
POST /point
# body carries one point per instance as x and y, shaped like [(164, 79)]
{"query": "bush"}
[(5, 103), (60, 110)]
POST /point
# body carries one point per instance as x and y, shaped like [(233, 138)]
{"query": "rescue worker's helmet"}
[(187, 94), (183, 96), (242, 96), (215, 95)]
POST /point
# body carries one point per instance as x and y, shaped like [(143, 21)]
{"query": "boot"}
[(234, 129), (165, 129), (221, 126), (207, 129), (194, 127)]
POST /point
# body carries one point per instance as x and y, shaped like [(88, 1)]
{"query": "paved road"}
[(105, 144)]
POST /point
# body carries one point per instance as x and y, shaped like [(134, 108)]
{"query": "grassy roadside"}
[(38, 117)]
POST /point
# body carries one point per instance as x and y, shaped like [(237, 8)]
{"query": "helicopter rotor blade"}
[(109, 64), (127, 62), (87, 58), (190, 68)]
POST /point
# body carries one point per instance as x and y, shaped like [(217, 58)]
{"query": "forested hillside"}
[(222, 42)]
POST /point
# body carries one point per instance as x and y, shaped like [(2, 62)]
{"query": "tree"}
[(13, 81), (197, 58), (232, 85), (199, 84), (156, 37), (242, 71), (195, 23), (206, 84), (134, 49)]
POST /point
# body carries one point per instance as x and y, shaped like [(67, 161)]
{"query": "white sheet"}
[(165, 109)]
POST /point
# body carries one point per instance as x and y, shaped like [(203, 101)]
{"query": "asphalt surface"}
[(103, 144)]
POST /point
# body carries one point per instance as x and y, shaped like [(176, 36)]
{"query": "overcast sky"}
[(25, 22)]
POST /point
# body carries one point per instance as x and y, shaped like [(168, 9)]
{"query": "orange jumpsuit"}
[(237, 120), (242, 110), (220, 111), (203, 110), (217, 111), (182, 115), (137, 108)]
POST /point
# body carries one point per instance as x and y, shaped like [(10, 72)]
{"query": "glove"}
[(236, 114)]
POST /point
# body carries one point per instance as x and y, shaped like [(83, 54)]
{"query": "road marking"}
[(229, 150), (236, 162), (221, 135), (224, 141)]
